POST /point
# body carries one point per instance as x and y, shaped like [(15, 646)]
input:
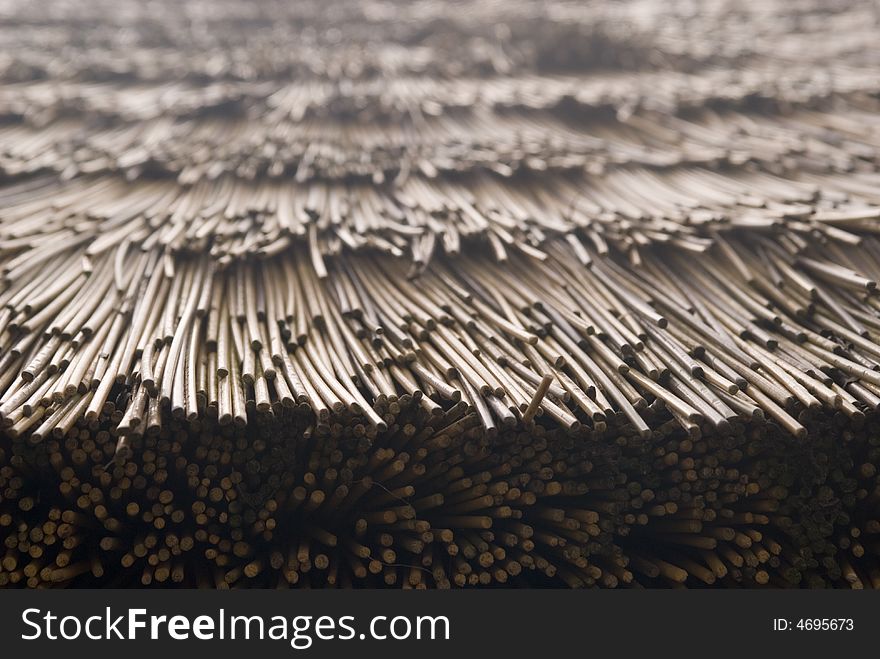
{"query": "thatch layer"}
[(425, 300)]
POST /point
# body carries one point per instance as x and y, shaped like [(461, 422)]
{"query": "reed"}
[(446, 311)]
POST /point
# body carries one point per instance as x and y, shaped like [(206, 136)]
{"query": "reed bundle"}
[(513, 316)]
